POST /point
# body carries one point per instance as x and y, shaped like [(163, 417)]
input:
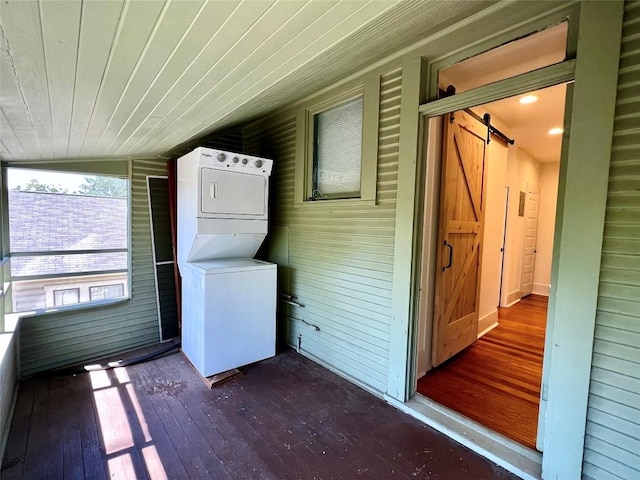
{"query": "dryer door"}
[(232, 193)]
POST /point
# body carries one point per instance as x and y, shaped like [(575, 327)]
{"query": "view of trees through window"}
[(93, 185), (68, 237)]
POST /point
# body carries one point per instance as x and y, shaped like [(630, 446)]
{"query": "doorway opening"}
[(489, 217), (495, 222)]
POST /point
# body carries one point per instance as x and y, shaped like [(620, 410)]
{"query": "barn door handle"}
[(450, 247)]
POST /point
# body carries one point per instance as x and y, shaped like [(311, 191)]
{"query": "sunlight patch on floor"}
[(120, 414), (122, 375), (116, 432), (99, 379), (121, 467), (153, 463), (136, 406)]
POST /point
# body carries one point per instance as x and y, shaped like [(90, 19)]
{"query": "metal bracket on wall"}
[(290, 300)]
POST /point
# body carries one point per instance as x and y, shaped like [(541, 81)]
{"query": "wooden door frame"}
[(465, 39), (504, 246), (535, 80), (579, 229)]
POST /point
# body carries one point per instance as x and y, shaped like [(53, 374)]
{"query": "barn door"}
[(460, 231)]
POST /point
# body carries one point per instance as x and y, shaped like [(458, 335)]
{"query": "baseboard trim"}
[(541, 289), (513, 298), (487, 323), (519, 460)]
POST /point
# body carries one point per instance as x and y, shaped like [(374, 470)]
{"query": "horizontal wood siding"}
[(8, 383), (28, 296), (228, 140), (340, 257), (55, 340), (612, 443)]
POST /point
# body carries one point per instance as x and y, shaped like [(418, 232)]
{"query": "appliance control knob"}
[(236, 159), (245, 161), (221, 157), (258, 163)]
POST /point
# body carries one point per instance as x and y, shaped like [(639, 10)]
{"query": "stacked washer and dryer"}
[(228, 297)]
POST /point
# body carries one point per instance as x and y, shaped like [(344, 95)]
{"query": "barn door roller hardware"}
[(486, 119)]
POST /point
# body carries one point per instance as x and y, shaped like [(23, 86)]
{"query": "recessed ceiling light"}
[(555, 131), (529, 99)]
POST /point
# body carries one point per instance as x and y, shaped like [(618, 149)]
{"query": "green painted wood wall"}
[(55, 340), (340, 257), (8, 383), (8, 348), (612, 443)]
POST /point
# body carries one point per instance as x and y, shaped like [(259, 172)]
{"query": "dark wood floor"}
[(496, 381), (286, 417)]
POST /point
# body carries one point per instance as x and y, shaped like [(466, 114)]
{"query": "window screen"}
[(68, 232), (337, 159)]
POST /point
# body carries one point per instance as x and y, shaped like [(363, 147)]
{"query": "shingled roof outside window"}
[(55, 222)]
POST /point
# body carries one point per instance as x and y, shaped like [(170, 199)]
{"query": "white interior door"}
[(529, 243)]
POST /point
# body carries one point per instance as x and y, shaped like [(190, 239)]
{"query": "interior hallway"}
[(287, 417), (496, 381)]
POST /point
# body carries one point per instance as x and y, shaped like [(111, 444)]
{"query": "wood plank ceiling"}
[(126, 78)]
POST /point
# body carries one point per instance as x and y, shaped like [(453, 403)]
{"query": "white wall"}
[(523, 173), (493, 235), (546, 221)]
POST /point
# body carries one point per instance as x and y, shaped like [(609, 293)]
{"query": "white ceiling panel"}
[(99, 23), (110, 78), (24, 88), (529, 124)]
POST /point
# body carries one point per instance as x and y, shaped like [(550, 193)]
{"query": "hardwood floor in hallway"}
[(496, 381)]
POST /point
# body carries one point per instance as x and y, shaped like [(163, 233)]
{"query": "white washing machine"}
[(229, 313), (228, 298)]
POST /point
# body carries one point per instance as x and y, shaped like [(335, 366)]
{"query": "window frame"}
[(369, 90), (63, 290), (111, 168), (91, 287), (312, 150)]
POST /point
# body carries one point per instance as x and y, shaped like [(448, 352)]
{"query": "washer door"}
[(232, 193)]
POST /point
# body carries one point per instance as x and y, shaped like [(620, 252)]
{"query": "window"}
[(538, 50), (106, 291), (337, 145), (67, 296), (337, 151), (68, 232)]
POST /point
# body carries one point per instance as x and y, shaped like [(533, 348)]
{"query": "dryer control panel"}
[(220, 160)]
